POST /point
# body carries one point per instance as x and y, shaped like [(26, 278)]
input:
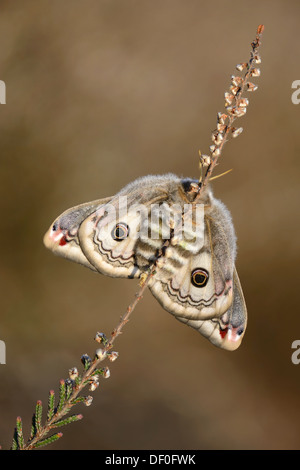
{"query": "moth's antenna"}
[(236, 106), (219, 176)]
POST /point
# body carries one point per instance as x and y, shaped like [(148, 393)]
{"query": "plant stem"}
[(44, 430)]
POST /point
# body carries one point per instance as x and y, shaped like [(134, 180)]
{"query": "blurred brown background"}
[(99, 93)]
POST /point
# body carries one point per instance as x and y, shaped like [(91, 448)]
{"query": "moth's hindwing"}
[(197, 284), (226, 331)]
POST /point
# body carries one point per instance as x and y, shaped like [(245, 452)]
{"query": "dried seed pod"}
[(217, 138), (228, 97), (236, 132), (221, 118), (257, 59), (255, 73), (216, 152), (236, 81), (100, 354), (106, 373), (88, 400), (251, 86), (241, 66), (221, 127), (240, 111), (94, 383), (112, 356), (243, 102), (93, 387), (206, 160), (73, 373), (234, 89)]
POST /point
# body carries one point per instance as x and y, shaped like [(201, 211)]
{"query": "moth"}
[(189, 236)]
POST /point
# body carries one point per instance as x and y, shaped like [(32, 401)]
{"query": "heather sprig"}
[(69, 390), (235, 107)]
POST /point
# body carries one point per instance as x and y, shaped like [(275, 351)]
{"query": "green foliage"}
[(69, 420), (51, 404), (18, 438), (68, 396), (49, 440)]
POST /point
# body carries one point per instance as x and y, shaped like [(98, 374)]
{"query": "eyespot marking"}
[(120, 232), (199, 277)]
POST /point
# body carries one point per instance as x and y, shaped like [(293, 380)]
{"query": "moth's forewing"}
[(108, 241), (112, 238), (62, 236)]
